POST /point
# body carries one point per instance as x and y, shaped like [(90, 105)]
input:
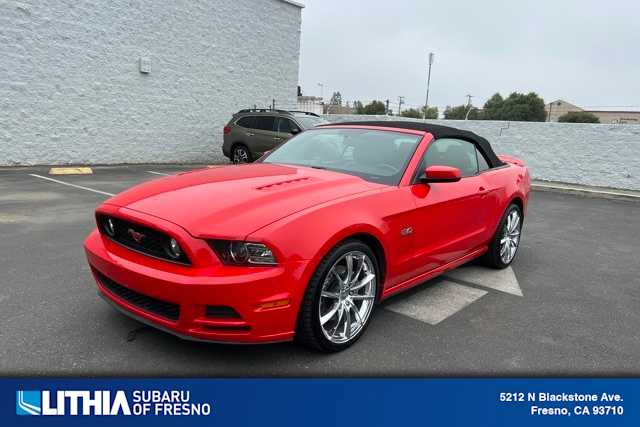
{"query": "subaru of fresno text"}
[(252, 132)]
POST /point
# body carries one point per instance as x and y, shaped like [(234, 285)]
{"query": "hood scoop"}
[(280, 184)]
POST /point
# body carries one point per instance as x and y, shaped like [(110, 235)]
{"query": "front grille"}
[(152, 242), (152, 305)]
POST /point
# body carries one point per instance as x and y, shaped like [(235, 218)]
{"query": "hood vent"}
[(281, 183)]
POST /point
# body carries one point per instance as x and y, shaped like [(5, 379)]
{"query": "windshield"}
[(376, 156), (310, 121)]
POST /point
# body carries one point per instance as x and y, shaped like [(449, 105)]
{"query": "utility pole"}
[(321, 90), (466, 117), (400, 102), (469, 99), (386, 111), (426, 102)]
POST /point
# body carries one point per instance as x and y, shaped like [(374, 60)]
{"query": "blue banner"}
[(320, 402)]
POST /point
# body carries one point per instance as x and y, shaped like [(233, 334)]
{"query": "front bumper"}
[(266, 299)]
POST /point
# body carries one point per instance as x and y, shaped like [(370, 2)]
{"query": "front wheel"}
[(504, 245), (340, 298)]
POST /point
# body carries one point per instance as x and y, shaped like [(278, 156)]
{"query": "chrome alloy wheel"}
[(240, 155), (347, 297), (510, 237)]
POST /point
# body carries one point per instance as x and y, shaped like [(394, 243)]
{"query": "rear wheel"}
[(241, 154), (340, 298), (504, 245)]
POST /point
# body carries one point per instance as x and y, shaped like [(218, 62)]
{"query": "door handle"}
[(277, 138), (482, 191), (251, 134)]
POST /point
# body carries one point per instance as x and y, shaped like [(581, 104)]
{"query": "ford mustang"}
[(304, 243)]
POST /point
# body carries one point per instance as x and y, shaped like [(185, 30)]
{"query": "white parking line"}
[(435, 303), (500, 280), (71, 185), (158, 173)]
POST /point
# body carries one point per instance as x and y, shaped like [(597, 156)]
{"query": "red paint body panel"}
[(300, 213)]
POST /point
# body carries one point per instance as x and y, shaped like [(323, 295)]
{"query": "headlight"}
[(173, 249), (242, 253), (109, 227)]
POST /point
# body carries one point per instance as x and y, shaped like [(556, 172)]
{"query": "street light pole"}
[(426, 102), (321, 90)]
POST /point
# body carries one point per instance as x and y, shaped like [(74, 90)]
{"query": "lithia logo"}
[(28, 402), (107, 402)]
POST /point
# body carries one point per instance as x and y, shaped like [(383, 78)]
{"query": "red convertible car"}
[(305, 242)]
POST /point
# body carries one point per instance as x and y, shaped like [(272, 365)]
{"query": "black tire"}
[(492, 258), (246, 157), (309, 330)]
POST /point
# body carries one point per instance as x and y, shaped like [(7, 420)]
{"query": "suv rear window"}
[(247, 122), (264, 123)]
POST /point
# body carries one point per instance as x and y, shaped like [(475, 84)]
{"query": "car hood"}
[(234, 201)]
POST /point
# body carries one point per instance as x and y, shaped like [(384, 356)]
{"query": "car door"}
[(265, 137), (449, 216), (285, 129)]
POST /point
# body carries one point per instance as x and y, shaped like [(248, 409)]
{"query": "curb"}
[(605, 193)]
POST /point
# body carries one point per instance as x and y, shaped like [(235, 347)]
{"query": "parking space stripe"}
[(158, 173), (435, 303), (71, 185), (499, 280)]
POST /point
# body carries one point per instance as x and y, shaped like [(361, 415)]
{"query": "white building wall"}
[(590, 154), (71, 90)]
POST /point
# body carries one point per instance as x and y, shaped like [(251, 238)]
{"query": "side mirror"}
[(295, 131), (438, 173)]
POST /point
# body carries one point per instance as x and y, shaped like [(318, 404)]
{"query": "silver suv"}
[(252, 132)]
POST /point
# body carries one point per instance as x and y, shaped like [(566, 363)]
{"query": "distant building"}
[(560, 107), (339, 109), (146, 81), (312, 104)]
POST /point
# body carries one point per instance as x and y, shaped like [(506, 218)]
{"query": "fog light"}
[(174, 250), (109, 227)]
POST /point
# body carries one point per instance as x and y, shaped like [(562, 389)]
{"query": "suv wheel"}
[(240, 154)]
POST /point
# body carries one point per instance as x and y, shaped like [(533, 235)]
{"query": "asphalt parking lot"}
[(570, 305)]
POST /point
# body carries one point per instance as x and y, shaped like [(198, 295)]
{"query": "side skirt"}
[(431, 274)]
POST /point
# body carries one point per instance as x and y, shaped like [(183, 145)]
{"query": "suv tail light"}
[(227, 129)]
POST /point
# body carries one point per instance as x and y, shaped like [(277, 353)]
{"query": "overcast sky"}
[(584, 52)]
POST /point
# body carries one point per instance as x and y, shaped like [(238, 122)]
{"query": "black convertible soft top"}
[(438, 131)]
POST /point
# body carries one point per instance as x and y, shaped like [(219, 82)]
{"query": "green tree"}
[(358, 107), (578, 117), (432, 112), (374, 107), (492, 109), (516, 107), (414, 113), (459, 112)]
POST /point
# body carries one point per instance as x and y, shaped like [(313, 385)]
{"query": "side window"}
[(285, 125), (265, 123), (482, 162), (247, 122), (452, 152)]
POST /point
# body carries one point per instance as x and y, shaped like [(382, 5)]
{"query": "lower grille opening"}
[(221, 311), (152, 305)]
